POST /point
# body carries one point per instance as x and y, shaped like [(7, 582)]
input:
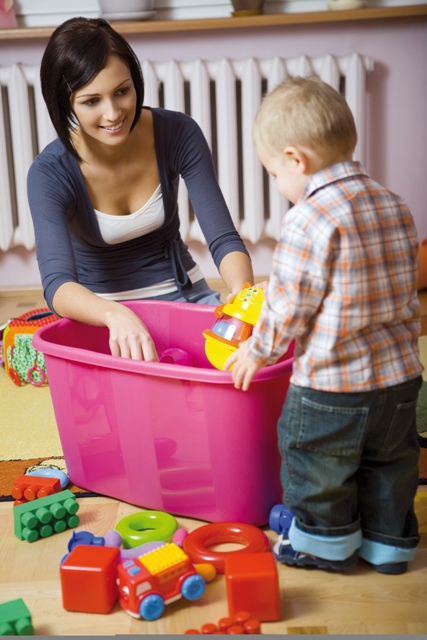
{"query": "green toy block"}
[(45, 516), (15, 619)]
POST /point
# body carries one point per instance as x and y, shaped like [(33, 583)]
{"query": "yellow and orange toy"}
[(234, 324)]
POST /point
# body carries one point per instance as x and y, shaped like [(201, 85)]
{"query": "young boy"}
[(343, 285)]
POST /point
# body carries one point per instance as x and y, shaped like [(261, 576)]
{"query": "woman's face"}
[(105, 108)]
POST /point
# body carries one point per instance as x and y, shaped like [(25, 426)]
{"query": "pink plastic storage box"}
[(164, 436)]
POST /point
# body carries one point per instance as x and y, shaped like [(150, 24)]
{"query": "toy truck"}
[(148, 583)]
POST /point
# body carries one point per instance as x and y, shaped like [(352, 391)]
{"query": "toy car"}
[(157, 578)]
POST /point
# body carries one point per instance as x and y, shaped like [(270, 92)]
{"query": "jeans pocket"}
[(331, 429), (401, 426)]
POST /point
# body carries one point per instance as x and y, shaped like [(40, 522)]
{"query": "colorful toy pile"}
[(145, 563)]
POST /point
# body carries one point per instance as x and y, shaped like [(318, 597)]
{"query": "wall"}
[(33, 13), (396, 149)]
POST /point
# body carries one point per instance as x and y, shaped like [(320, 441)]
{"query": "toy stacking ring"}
[(197, 542), (146, 526), (31, 379)]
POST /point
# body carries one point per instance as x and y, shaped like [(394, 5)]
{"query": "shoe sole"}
[(392, 568), (319, 563)]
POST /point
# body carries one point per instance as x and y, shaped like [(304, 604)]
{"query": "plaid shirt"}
[(344, 286)]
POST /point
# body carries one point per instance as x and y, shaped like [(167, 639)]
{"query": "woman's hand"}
[(129, 337)]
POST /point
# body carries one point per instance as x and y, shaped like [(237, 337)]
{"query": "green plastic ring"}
[(146, 526)]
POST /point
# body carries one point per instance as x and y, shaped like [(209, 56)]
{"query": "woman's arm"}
[(129, 337), (193, 160), (236, 270)]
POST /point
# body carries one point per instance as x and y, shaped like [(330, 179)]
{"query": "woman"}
[(103, 196)]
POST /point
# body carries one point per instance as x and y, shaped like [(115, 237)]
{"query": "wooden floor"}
[(313, 601)]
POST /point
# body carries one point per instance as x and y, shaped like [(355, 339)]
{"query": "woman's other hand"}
[(129, 337)]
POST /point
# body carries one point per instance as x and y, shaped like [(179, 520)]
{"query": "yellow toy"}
[(234, 324)]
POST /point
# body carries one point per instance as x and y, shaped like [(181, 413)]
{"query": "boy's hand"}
[(244, 368)]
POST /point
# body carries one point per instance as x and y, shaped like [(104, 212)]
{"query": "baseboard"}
[(14, 292)]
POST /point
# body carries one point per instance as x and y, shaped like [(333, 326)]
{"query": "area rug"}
[(29, 437)]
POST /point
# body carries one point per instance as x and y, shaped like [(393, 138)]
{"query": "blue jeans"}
[(200, 293), (350, 471)]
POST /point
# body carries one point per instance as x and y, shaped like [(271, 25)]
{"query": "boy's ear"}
[(297, 157)]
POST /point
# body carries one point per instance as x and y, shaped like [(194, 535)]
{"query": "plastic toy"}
[(242, 623), (15, 619), (50, 473), (179, 536), (111, 539), (27, 488), (252, 584), (83, 537), (147, 584), (146, 526), (234, 324), (280, 518), (45, 516), (88, 579), (197, 542), (21, 360)]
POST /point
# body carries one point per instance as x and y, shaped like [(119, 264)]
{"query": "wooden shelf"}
[(264, 20)]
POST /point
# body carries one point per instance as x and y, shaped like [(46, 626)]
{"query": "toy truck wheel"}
[(193, 587), (151, 607)]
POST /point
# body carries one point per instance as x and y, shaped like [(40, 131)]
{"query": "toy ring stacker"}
[(234, 324), (39, 371), (197, 542), (146, 526)]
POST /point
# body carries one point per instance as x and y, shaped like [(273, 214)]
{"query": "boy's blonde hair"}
[(305, 111)]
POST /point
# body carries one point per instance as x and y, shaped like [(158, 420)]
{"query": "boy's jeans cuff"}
[(329, 548), (379, 553)]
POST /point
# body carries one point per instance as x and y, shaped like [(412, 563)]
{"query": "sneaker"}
[(286, 554), (392, 568)]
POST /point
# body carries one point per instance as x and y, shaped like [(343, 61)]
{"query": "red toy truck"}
[(157, 578)]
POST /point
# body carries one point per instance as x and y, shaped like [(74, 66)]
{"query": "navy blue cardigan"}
[(69, 245)]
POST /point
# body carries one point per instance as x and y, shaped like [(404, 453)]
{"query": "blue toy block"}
[(86, 538), (15, 619), (280, 518), (45, 516)]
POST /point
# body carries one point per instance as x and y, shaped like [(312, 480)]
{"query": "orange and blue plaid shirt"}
[(343, 285)]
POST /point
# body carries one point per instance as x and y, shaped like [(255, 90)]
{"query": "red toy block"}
[(88, 579), (252, 584), (27, 488)]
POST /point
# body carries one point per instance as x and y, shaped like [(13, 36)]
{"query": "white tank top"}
[(115, 229)]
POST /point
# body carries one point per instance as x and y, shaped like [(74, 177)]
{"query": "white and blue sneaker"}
[(285, 553)]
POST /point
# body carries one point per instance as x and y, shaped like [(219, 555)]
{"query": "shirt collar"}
[(331, 174)]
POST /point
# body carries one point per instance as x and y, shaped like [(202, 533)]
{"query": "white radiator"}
[(223, 96)]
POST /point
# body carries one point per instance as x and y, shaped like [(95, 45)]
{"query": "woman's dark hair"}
[(76, 52)]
